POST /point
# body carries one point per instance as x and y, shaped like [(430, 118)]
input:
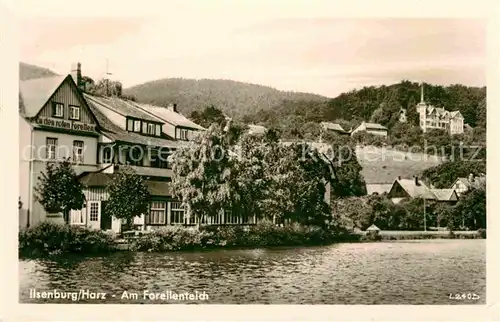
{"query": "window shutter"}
[(53, 108)]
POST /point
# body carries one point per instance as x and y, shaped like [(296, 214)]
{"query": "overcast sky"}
[(324, 55)]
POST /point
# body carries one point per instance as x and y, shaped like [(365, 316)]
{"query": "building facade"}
[(438, 118), (101, 134), (55, 122)]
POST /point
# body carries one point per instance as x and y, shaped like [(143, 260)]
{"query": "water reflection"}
[(422, 272)]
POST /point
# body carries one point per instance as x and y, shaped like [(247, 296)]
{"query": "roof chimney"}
[(399, 177), (471, 177), (416, 181), (76, 74), (172, 107)]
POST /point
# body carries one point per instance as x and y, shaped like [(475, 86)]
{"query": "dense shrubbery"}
[(361, 212), (47, 239), (261, 235)]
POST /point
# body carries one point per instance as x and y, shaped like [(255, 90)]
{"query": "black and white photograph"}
[(231, 153)]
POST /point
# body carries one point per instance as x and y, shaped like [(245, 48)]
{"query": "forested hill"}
[(379, 104), (27, 71), (233, 98)]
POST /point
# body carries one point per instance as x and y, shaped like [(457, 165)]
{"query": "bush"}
[(263, 234), (47, 239), (481, 233)]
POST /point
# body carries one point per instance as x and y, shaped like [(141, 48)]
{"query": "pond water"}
[(401, 272)]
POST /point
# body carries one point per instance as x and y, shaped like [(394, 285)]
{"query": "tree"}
[(204, 174), (128, 196), (208, 116), (59, 190), (445, 174), (472, 205)]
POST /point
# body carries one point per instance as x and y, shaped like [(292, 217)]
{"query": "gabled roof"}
[(122, 107), (476, 183), (378, 188), (116, 133), (100, 179), (374, 126), (163, 114), (373, 228), (444, 194), (413, 190), (455, 114), (332, 126), (34, 93)]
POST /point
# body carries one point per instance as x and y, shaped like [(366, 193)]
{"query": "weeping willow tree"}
[(204, 174)]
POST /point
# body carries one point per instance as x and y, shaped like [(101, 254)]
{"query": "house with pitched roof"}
[(372, 128), (101, 134), (415, 188), (334, 127), (55, 122), (464, 184), (438, 118)]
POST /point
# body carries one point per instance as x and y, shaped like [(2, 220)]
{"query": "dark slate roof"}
[(34, 93), (116, 133), (163, 114), (100, 179), (123, 107), (95, 179)]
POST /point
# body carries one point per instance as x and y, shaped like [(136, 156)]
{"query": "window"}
[(184, 134), (137, 126), (158, 130), (144, 128), (51, 146), (107, 154), (74, 112), (94, 211), (176, 213), (159, 158), (130, 125), (157, 213), (57, 110), (151, 129), (78, 151), (135, 155)]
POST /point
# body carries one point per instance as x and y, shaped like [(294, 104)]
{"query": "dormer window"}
[(74, 112), (143, 127), (151, 129), (137, 126), (57, 109)]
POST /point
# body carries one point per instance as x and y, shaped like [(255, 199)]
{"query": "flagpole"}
[(425, 226)]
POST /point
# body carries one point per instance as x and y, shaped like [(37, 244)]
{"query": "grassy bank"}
[(415, 235), (265, 234), (49, 239)]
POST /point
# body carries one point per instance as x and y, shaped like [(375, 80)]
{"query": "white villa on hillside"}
[(438, 118)]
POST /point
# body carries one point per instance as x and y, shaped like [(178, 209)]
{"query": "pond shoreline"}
[(122, 245)]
